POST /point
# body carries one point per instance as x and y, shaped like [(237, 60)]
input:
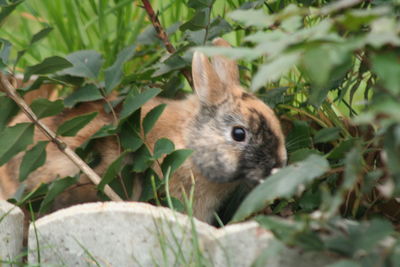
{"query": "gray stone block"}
[(11, 233)]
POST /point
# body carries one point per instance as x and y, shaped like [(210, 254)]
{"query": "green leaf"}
[(72, 126), (175, 160), (14, 140), (174, 62), (113, 74), (47, 66), (4, 52), (8, 109), (7, 9), (134, 102), (283, 184), (55, 189), (89, 92), (130, 136), (151, 118), (345, 263), (252, 17), (327, 135), (45, 108), (142, 159), (163, 146), (339, 151), (355, 237), (112, 172), (199, 21), (386, 66), (299, 136), (86, 64), (40, 35), (273, 70), (33, 159), (196, 4)]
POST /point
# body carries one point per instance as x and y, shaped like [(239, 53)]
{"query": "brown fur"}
[(190, 123)]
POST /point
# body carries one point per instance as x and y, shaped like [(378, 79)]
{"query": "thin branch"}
[(164, 37), (11, 92)]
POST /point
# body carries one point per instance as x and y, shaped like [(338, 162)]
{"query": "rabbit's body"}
[(234, 136)]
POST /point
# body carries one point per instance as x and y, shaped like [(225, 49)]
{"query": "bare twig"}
[(10, 90), (164, 37)]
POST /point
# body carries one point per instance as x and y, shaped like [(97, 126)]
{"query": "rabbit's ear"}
[(207, 83), (226, 68)]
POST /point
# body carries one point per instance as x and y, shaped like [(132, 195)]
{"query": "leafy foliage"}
[(328, 68)]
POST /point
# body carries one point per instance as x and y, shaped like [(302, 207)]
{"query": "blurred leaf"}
[(134, 102), (4, 52), (47, 66), (345, 263), (14, 140), (174, 62), (44, 108), (163, 146), (7, 8), (33, 159), (196, 4), (74, 125), (113, 74), (88, 92), (386, 66), (200, 20), (283, 184), (151, 118), (86, 64), (339, 151), (40, 35), (175, 160), (299, 136), (57, 187), (273, 70), (252, 17), (356, 237), (326, 135), (302, 154)]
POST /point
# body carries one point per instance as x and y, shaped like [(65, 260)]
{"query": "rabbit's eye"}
[(238, 134)]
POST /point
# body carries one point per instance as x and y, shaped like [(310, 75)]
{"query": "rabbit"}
[(234, 136)]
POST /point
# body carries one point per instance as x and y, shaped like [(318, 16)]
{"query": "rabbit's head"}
[(235, 135)]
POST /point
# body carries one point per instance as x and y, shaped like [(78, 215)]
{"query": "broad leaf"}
[(134, 102), (72, 126), (283, 184), (112, 172), (14, 140), (151, 118), (45, 108), (89, 92), (163, 146), (47, 66), (33, 159), (8, 109), (175, 160), (113, 74), (40, 35), (54, 190), (86, 64)]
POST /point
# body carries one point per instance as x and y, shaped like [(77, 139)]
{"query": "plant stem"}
[(164, 37), (11, 92)]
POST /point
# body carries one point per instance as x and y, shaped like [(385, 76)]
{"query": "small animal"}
[(234, 136)]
